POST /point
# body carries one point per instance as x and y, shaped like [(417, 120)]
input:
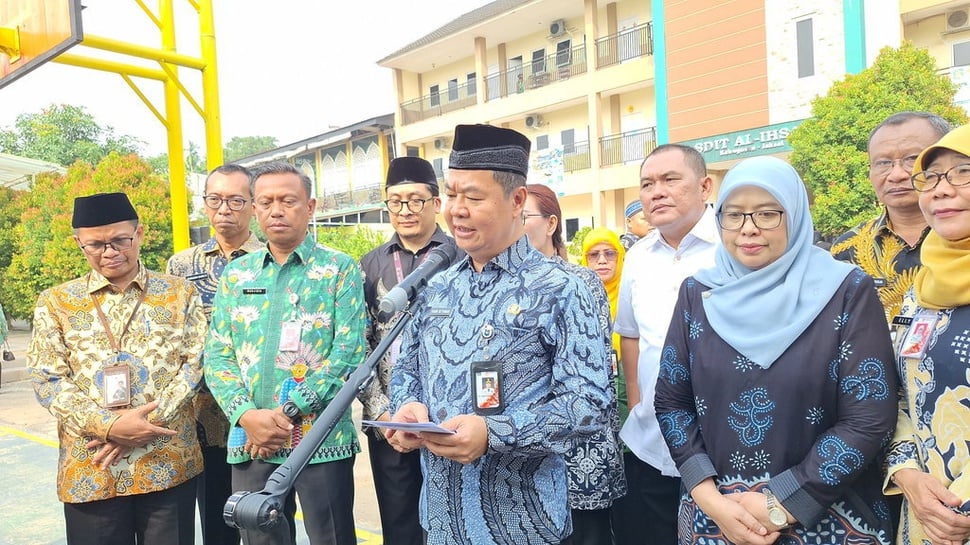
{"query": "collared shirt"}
[(540, 322), (68, 347), (883, 255), (652, 274), (202, 265), (318, 293), (380, 276)]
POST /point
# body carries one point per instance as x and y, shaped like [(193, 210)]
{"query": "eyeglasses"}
[(215, 202), (527, 215), (394, 206), (609, 255), (884, 166), (927, 180), (119, 244), (762, 219)]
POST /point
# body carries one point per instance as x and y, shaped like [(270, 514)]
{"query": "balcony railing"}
[(627, 146), (442, 102), (628, 44), (575, 157), (537, 73)]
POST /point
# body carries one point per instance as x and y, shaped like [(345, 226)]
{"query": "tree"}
[(10, 212), (244, 146), (353, 241), (46, 254), (63, 134), (830, 149)]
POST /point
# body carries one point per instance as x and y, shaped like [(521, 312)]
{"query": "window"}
[(470, 83), (538, 61), (542, 141), (413, 151), (961, 54), (564, 53), (805, 44), (435, 99), (572, 225), (452, 90), (568, 140), (438, 165)]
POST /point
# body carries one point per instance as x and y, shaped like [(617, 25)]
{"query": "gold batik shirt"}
[(69, 345), (883, 255)]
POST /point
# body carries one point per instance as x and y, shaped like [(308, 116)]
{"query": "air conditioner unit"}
[(557, 28), (958, 19), (440, 143), (533, 121)]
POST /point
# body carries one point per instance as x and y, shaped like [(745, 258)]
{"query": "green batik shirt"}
[(318, 293)]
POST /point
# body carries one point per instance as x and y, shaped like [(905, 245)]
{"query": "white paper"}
[(413, 427)]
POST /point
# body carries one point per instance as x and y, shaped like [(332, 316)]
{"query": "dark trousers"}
[(590, 527), (326, 493), (214, 488), (397, 481), (648, 512), (156, 518)]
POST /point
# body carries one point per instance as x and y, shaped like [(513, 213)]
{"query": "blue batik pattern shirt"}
[(541, 323)]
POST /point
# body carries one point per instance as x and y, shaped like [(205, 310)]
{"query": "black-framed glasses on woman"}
[(394, 206), (762, 219), (234, 203), (927, 180)]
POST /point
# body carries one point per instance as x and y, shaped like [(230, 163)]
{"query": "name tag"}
[(439, 312), (254, 291), (197, 276), (879, 282), (902, 320)]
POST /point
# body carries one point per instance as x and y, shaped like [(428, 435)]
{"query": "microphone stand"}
[(264, 509)]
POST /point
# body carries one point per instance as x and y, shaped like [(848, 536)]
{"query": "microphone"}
[(398, 298)]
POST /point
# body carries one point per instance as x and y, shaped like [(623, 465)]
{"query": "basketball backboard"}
[(33, 32)]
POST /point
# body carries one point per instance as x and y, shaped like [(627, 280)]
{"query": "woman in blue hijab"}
[(776, 391)]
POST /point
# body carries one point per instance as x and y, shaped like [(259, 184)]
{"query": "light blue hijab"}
[(761, 312)]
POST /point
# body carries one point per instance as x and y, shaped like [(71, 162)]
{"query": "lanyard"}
[(115, 343), (399, 270)]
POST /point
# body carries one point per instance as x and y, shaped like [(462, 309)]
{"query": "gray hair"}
[(231, 168), (510, 181), (692, 158), (281, 167), (940, 126)]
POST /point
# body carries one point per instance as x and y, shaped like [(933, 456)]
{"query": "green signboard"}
[(741, 144)]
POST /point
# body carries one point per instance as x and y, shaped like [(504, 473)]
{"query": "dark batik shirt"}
[(202, 265), (525, 311), (809, 427), (380, 276), (884, 256)]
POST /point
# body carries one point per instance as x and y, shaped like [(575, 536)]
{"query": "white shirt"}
[(652, 274)]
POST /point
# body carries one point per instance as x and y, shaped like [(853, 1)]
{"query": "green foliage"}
[(63, 134), (354, 241), (10, 212), (244, 146), (45, 253), (575, 247), (830, 149)]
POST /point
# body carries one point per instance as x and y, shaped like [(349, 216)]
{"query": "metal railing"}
[(627, 44), (627, 146), (537, 73), (442, 102), (575, 157)]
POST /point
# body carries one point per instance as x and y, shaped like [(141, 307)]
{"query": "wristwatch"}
[(291, 411), (775, 513)]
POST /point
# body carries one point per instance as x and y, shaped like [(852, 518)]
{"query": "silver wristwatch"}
[(776, 515)]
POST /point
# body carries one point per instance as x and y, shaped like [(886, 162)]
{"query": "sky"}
[(290, 69)]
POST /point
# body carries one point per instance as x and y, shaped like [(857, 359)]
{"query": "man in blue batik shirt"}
[(506, 350)]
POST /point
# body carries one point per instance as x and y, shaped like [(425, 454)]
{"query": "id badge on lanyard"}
[(917, 338)]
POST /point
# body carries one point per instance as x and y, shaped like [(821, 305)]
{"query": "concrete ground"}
[(29, 510)]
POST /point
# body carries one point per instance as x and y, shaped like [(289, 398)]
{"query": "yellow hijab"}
[(944, 279), (599, 235)]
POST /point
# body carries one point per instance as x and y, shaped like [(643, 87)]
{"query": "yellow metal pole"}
[(81, 61), (176, 152), (150, 53), (210, 86)]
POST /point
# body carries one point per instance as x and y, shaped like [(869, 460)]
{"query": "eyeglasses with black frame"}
[(234, 203), (881, 167), (762, 219), (394, 206), (927, 180), (119, 244)]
